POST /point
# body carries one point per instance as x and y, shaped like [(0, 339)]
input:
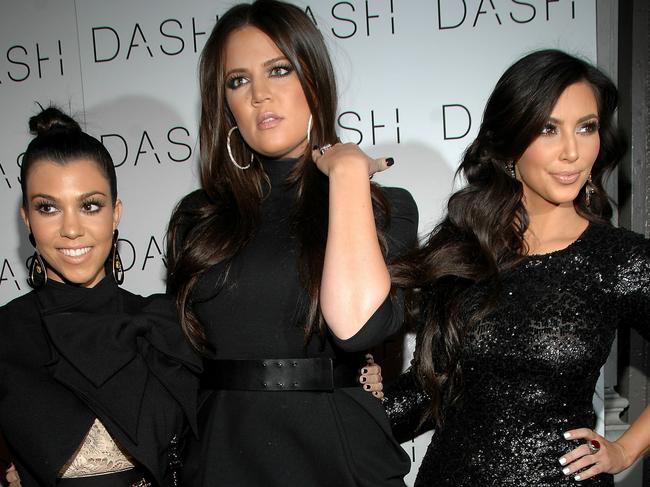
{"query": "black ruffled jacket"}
[(69, 355)]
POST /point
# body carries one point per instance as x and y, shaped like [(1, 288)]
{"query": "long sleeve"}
[(632, 283), (405, 403)]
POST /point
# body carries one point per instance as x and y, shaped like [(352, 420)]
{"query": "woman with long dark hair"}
[(97, 385), (518, 292), (278, 265)]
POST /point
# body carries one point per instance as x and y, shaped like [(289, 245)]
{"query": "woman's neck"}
[(552, 228)]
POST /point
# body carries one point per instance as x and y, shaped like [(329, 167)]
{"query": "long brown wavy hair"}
[(483, 231), (200, 236)]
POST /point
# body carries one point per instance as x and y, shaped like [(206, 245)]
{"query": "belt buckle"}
[(142, 483)]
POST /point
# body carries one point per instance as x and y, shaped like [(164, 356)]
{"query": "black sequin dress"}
[(530, 368)]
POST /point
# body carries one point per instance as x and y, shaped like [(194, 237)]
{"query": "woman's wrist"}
[(349, 167), (627, 454)]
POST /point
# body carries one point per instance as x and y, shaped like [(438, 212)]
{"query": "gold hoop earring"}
[(116, 261), (232, 158), (37, 275)]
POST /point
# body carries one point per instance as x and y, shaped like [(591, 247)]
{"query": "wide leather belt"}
[(295, 374)]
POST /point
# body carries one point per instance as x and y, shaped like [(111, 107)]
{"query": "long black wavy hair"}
[(483, 231)]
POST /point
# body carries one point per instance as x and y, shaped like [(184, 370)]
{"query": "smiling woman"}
[(70, 213), (519, 291), (78, 354)]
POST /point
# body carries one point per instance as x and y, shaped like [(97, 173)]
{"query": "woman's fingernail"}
[(567, 435), (390, 161), (363, 379), (364, 371), (566, 471), (314, 147), (576, 478), (562, 461), (367, 387)]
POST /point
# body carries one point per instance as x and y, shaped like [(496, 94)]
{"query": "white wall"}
[(413, 78)]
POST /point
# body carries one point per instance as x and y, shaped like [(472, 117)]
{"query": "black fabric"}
[(295, 374), (69, 355), (531, 366), (253, 438)]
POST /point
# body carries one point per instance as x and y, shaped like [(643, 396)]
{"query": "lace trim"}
[(97, 455)]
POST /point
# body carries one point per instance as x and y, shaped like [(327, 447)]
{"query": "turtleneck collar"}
[(278, 170)]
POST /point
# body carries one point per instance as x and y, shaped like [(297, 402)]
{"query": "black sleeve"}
[(406, 402), (632, 284), (401, 236)]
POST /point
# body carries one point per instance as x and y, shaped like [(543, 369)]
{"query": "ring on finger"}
[(325, 148), (594, 446)]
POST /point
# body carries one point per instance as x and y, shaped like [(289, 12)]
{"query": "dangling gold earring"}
[(590, 190), (116, 261), (37, 276)]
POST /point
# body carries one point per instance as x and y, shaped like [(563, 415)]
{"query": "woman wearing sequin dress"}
[(521, 288), (278, 265), (95, 382)]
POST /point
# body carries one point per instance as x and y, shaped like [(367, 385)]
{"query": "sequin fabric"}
[(531, 366)]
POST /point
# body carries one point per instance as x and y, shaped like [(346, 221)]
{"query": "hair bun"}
[(52, 119)]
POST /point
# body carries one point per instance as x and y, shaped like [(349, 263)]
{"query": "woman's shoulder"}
[(617, 248), (400, 200), (22, 307), (617, 239), (402, 207), (401, 222), (20, 325)]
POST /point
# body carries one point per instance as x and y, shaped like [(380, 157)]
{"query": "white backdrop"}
[(413, 78)]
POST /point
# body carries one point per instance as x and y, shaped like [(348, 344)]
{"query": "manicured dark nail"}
[(314, 147), (390, 161), (364, 371), (367, 387)]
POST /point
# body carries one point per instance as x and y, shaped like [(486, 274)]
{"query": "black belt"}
[(293, 374)]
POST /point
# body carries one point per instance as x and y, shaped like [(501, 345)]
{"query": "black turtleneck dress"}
[(70, 354), (293, 438)]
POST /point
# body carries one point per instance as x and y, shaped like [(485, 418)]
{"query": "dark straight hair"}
[(202, 235), (483, 231)]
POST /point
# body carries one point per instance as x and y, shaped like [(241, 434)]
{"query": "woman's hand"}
[(596, 455), (370, 378), (12, 476), (329, 157)]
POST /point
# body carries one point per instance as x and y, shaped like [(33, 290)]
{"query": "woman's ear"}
[(25, 218), (117, 213)]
